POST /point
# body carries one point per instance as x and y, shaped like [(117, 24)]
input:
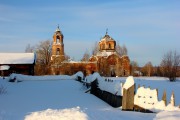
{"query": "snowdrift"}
[(64, 114), (105, 84), (20, 77)]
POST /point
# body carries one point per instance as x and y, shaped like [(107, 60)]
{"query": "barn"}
[(21, 63)]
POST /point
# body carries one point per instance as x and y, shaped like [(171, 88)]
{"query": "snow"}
[(105, 84), (20, 77), (90, 78), (4, 67), (64, 114), (170, 107), (167, 115), (78, 74), (160, 83), (105, 53), (17, 58), (159, 106), (129, 82), (50, 98), (146, 98), (64, 98), (111, 87)]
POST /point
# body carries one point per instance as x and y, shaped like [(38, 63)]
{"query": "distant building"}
[(22, 63), (107, 61)]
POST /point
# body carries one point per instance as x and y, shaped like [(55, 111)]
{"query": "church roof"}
[(17, 58), (58, 31), (107, 37)]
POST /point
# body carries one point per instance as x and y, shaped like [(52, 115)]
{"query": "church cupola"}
[(107, 43)]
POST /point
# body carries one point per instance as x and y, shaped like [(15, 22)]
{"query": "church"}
[(107, 62)]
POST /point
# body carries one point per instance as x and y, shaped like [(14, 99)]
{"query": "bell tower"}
[(57, 47)]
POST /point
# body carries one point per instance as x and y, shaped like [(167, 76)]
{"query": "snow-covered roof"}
[(17, 58), (57, 30), (4, 67), (107, 38), (105, 53)]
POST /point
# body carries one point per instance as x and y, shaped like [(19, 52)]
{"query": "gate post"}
[(128, 95)]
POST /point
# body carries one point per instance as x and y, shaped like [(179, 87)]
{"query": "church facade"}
[(106, 61)]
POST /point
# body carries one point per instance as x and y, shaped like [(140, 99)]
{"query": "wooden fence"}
[(111, 99), (127, 100)]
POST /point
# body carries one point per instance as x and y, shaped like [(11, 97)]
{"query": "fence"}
[(111, 99), (142, 101)]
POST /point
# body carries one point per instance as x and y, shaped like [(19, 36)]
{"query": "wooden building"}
[(21, 63)]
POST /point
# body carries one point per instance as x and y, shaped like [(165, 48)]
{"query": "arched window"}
[(109, 46), (57, 39), (57, 51)]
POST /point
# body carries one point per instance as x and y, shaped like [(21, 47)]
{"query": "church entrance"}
[(112, 71)]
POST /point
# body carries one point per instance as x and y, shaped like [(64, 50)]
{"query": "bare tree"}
[(86, 56), (169, 65), (124, 50), (121, 50), (29, 49), (43, 54), (118, 49), (95, 48), (134, 68), (67, 57), (147, 69)]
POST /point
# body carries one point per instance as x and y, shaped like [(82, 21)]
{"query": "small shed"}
[(21, 63)]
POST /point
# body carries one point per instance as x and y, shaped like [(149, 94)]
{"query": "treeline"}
[(169, 67)]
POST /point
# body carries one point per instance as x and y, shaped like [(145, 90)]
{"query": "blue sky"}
[(148, 28)]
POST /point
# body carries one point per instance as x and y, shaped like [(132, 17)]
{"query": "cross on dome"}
[(106, 31), (57, 28)]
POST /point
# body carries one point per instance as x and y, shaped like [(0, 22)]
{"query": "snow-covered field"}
[(67, 100)]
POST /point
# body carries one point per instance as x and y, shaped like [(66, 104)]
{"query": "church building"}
[(107, 61)]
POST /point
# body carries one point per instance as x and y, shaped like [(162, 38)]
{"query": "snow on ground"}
[(167, 115), (65, 114), (56, 96), (60, 99), (105, 84), (20, 77)]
